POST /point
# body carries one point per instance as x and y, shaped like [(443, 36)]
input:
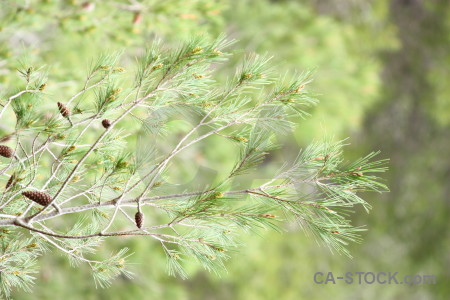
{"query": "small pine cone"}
[(6, 151), (106, 123), (10, 181), (39, 197), (139, 219), (65, 112)]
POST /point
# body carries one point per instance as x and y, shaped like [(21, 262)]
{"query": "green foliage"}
[(337, 40), (317, 190), (18, 261)]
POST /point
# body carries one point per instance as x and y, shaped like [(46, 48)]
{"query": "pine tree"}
[(318, 189), (72, 176)]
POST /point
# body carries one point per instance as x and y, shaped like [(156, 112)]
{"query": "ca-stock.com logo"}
[(373, 278)]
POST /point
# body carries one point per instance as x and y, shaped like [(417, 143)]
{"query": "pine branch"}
[(78, 162)]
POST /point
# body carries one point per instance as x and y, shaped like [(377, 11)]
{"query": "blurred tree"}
[(411, 126), (52, 29)]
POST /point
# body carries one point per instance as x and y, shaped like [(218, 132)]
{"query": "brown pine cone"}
[(6, 151), (10, 181), (39, 197), (65, 112), (139, 218), (106, 123)]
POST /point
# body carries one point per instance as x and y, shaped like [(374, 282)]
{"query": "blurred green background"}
[(381, 75)]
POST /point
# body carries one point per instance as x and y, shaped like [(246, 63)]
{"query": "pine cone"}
[(39, 197), (6, 151), (139, 218), (65, 112), (106, 123), (10, 181)]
